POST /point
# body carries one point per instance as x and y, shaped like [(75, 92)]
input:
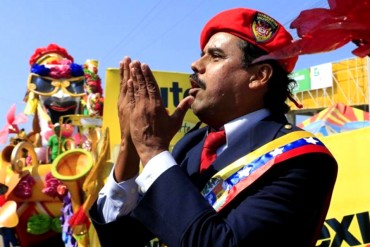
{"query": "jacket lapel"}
[(188, 151), (247, 141)]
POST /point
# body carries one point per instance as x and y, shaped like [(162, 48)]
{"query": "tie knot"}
[(215, 139)]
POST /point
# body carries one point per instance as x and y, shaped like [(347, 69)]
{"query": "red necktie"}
[(213, 141)]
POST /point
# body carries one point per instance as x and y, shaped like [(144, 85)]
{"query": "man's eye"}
[(216, 56)]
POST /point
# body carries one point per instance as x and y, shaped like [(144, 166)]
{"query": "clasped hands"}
[(146, 126)]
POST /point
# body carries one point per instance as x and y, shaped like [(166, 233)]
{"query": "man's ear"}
[(262, 74)]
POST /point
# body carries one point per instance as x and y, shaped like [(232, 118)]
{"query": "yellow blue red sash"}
[(225, 185)]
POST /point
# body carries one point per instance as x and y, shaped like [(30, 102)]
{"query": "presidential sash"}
[(225, 185)]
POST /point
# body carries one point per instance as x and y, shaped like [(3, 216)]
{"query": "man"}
[(54, 143), (270, 184)]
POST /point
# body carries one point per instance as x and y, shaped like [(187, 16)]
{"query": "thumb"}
[(181, 109)]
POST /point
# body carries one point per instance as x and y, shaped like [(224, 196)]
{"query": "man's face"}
[(221, 92)]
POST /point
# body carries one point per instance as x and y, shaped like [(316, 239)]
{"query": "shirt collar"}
[(244, 122)]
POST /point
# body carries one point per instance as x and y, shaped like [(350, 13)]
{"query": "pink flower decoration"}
[(53, 187), (79, 139), (12, 122), (61, 70), (67, 130), (24, 187)]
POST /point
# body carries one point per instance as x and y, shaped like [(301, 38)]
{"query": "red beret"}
[(253, 26)]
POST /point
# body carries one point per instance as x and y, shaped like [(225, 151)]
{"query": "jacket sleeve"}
[(125, 231)]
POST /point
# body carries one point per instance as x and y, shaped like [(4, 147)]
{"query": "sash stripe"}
[(259, 172), (225, 185)]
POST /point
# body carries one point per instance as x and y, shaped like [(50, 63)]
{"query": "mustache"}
[(196, 82)]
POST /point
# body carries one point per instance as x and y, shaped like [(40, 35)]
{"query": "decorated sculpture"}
[(93, 99), (46, 195)]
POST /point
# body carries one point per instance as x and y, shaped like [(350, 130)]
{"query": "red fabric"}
[(79, 218), (324, 30), (213, 141), (2, 200), (253, 26), (51, 48)]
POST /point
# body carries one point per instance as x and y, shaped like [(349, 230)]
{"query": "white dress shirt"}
[(117, 199)]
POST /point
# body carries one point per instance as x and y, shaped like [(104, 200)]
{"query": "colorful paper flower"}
[(24, 187), (65, 69)]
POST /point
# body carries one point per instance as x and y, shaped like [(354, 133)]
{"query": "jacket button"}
[(288, 126)]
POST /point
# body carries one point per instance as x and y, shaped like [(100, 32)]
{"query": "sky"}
[(163, 34)]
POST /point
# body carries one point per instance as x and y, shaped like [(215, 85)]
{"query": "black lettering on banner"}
[(186, 93), (341, 231), (324, 237), (184, 128), (176, 91), (164, 96), (364, 224)]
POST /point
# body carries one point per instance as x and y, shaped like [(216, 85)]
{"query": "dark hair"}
[(280, 85)]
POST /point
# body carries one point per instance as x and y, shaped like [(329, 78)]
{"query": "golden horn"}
[(71, 167)]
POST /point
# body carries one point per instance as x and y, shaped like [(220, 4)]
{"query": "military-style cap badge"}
[(264, 27)]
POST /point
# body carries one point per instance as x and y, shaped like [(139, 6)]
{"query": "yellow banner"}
[(347, 222)]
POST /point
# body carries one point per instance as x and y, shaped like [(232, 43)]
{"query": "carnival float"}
[(51, 174)]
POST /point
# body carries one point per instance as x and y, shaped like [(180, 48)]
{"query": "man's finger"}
[(151, 83), (124, 73), (131, 93), (138, 79), (126, 69), (121, 70)]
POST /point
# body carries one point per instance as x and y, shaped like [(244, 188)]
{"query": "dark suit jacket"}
[(284, 207)]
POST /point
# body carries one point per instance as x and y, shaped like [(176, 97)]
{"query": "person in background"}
[(54, 142), (271, 182)]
